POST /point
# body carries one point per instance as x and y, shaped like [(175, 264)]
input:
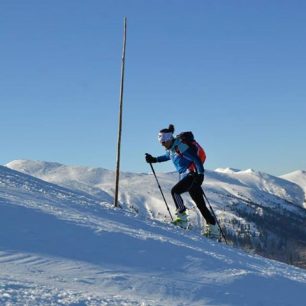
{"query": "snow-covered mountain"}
[(259, 212), (298, 177), (60, 246)]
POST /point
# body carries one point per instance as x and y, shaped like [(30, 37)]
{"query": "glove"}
[(150, 159), (198, 178)]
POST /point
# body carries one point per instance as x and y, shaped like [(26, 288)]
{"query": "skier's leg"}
[(182, 186), (196, 194)]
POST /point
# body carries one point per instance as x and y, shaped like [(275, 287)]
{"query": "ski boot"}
[(212, 231), (181, 219)]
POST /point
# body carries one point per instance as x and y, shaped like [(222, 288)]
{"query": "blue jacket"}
[(182, 157)]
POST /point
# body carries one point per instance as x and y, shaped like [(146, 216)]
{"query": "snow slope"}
[(298, 177), (259, 212), (65, 247)]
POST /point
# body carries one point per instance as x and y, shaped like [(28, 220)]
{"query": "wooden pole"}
[(120, 116)]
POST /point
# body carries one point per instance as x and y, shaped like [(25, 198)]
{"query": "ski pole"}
[(215, 217), (161, 190)]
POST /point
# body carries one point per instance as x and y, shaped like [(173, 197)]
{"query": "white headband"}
[(163, 137)]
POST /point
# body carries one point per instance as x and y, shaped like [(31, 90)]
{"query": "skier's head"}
[(165, 136)]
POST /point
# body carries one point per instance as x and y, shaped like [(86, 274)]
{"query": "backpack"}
[(188, 139)]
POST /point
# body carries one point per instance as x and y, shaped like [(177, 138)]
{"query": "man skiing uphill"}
[(191, 172)]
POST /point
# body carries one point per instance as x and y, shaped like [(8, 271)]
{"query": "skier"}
[(191, 176)]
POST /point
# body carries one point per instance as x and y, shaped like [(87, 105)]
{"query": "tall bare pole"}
[(120, 115)]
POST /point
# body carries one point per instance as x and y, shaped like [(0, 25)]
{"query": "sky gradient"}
[(233, 72)]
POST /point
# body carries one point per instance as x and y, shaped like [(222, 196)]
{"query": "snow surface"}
[(247, 202), (60, 246), (298, 177)]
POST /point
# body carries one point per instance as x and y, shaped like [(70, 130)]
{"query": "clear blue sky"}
[(234, 72)]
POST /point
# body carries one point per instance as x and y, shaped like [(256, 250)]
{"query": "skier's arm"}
[(163, 158)]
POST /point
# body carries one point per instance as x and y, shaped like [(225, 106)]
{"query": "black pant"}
[(196, 193)]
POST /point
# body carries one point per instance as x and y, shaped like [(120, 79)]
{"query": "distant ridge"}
[(298, 177)]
